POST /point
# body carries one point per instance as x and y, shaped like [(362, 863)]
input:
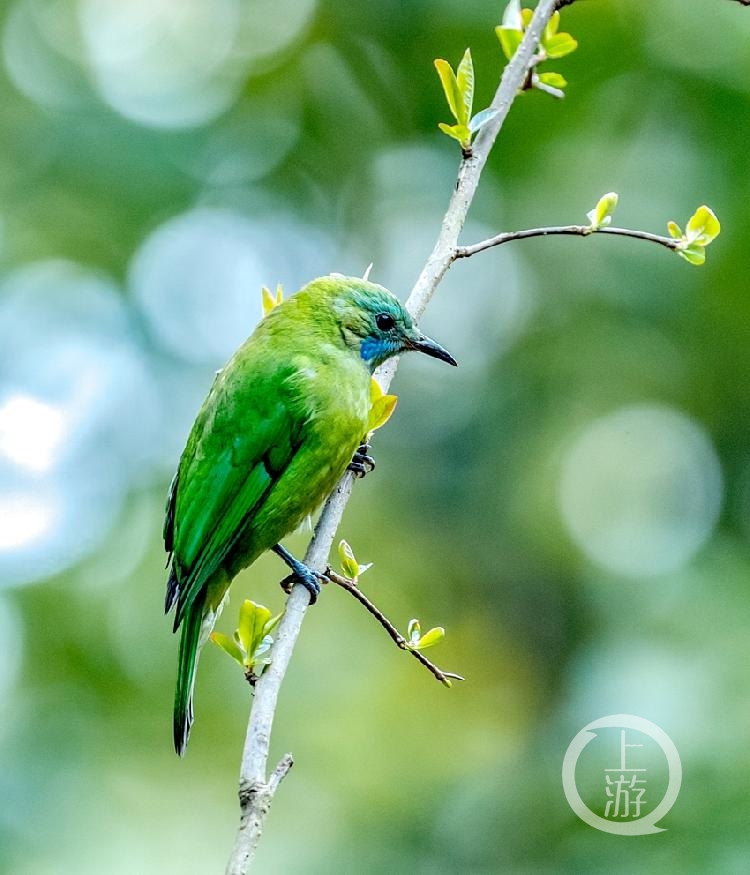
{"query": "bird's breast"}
[(336, 395)]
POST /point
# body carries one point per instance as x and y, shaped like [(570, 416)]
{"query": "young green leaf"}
[(375, 390), (601, 215), (381, 411), (430, 638), (348, 560), (251, 639), (702, 226), (250, 628), (415, 640), (559, 45), (701, 229), (552, 25), (554, 80), (228, 646), (245, 626), (450, 86), (510, 39), (674, 230), (458, 132), (465, 83), (552, 44), (694, 253), (459, 92)]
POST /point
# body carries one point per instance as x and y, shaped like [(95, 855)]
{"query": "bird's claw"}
[(301, 573), (308, 578), (362, 462)]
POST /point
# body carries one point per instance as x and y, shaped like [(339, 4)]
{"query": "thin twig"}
[(443, 676), (574, 230), (257, 740), (537, 83)]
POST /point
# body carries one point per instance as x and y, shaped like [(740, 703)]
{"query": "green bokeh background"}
[(317, 150)]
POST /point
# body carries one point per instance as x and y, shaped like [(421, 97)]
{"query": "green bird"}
[(282, 422)]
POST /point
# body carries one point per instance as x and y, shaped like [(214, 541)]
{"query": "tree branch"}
[(443, 676), (256, 792), (569, 230)]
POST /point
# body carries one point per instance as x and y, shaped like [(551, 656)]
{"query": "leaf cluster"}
[(251, 642), (458, 88), (701, 229), (553, 45)]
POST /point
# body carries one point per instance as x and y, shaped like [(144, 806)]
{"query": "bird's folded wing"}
[(240, 445)]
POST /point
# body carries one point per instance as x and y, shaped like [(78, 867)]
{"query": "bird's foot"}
[(301, 573), (362, 462), (309, 580)]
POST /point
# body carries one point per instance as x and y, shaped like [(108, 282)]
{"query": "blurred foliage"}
[(573, 502)]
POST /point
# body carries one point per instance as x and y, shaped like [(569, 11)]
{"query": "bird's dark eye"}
[(384, 321)]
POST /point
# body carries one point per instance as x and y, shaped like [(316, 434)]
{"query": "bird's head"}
[(375, 323)]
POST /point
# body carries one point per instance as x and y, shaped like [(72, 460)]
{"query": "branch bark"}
[(569, 230), (257, 791)]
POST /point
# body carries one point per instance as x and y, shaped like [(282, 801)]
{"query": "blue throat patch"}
[(376, 349)]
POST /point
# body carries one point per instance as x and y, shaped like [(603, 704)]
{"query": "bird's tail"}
[(187, 663)]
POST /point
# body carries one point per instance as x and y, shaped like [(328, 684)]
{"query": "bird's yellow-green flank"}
[(278, 429)]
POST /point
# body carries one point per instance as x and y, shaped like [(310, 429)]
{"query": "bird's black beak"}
[(429, 347)]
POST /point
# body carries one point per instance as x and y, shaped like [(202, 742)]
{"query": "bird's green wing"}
[(245, 436)]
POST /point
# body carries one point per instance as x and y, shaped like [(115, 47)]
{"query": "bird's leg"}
[(301, 573), (362, 462)]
